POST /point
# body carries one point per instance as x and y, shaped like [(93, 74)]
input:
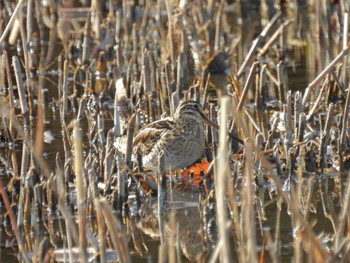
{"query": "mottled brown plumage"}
[(181, 138)]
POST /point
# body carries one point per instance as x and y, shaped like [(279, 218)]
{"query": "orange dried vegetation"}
[(195, 170)]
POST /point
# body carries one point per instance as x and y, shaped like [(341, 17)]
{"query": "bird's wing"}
[(149, 135)]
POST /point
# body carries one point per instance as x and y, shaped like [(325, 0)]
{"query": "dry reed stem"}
[(256, 43), (39, 142), (85, 57), (116, 232), (21, 91), (247, 85), (325, 135), (172, 239), (129, 144), (71, 229), (273, 38), (23, 176), (10, 22), (345, 43), (79, 173), (316, 106), (221, 180), (235, 212), (318, 79), (161, 182), (101, 232), (13, 223), (216, 253)]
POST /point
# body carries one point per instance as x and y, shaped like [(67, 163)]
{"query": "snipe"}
[(181, 138)]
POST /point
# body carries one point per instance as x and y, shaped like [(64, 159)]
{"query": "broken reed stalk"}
[(161, 195), (129, 143), (256, 43), (273, 38), (221, 180), (317, 101), (281, 84), (10, 22), (318, 79), (26, 67), (79, 173), (247, 84), (21, 90)]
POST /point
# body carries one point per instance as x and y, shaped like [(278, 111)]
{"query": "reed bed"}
[(77, 76)]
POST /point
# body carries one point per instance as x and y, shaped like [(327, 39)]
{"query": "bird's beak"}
[(207, 121)]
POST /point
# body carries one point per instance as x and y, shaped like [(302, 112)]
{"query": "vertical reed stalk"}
[(161, 196), (23, 174), (79, 173), (116, 232), (21, 91), (325, 136), (85, 57), (221, 180), (101, 231), (248, 214), (345, 45)]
